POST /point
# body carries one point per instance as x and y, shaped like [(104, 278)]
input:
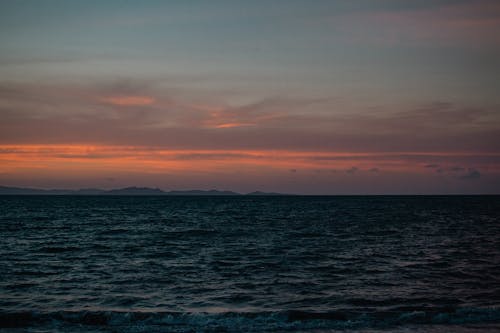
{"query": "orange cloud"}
[(129, 100), (229, 125)]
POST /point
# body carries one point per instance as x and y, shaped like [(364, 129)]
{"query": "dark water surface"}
[(249, 264)]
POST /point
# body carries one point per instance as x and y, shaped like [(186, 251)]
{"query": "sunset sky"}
[(306, 97)]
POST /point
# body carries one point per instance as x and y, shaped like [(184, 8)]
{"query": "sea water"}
[(249, 264)]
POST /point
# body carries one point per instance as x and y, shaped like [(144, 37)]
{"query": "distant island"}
[(5, 190)]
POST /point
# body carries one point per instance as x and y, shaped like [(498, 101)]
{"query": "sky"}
[(296, 96)]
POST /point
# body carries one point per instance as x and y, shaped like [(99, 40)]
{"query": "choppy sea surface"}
[(250, 264)]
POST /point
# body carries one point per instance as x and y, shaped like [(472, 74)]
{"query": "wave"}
[(134, 322)]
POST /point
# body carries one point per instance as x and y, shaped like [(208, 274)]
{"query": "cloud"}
[(471, 174), (457, 172), (352, 170), (89, 166), (458, 23), (129, 100), (456, 169), (261, 113), (231, 125), (71, 113), (204, 155)]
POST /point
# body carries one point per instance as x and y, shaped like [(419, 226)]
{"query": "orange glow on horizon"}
[(231, 125), (129, 100), (102, 158)]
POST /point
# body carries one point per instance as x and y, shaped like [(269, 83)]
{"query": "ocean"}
[(249, 264)]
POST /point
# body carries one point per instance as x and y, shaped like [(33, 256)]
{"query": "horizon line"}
[(122, 191)]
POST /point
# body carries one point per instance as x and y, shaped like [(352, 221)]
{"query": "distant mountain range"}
[(4, 190)]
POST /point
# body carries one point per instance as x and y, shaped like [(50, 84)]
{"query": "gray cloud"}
[(450, 23), (75, 113), (352, 170), (471, 174), (457, 172)]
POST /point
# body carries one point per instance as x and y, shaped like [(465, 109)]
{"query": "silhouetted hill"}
[(201, 192), (135, 191), (31, 191), (260, 193), (5, 190), (89, 191)]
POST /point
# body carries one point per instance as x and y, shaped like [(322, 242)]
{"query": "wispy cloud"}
[(352, 170), (129, 100), (71, 113), (293, 171), (456, 171), (458, 23), (471, 174), (432, 166), (69, 130)]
